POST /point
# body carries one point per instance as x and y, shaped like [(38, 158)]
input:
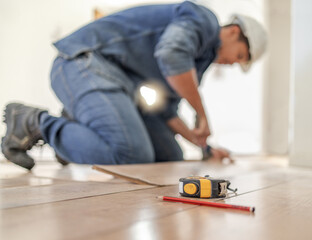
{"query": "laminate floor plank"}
[(131, 214), (282, 212), (116, 209), (26, 196), (80, 218), (29, 180), (9, 170), (75, 172), (167, 173), (49, 169)]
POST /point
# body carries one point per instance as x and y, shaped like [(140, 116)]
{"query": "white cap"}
[(256, 35)]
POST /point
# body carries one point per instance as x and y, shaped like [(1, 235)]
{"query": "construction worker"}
[(99, 68)]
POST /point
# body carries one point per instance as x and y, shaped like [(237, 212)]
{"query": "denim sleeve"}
[(177, 48)]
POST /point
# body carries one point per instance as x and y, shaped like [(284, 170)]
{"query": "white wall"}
[(301, 84), (277, 78), (28, 28)]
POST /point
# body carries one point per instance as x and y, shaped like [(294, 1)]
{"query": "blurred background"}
[(263, 112)]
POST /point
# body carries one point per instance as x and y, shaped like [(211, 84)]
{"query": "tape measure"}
[(204, 187)]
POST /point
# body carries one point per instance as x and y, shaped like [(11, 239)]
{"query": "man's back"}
[(130, 37)]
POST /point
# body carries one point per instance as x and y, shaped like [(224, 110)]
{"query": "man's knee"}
[(139, 154)]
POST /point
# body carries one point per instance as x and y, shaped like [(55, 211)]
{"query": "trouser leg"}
[(106, 126), (163, 139), (107, 130)]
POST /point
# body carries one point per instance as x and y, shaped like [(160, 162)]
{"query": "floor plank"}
[(9, 170), (76, 172), (112, 210), (135, 212), (81, 218), (49, 169), (27, 196), (168, 173), (282, 212), (28, 179)]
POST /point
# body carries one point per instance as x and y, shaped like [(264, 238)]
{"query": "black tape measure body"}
[(203, 187)]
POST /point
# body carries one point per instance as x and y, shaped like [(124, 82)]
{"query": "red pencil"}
[(210, 204)]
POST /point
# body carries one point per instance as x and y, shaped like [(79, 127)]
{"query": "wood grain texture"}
[(84, 217), (26, 196), (28, 180), (281, 195), (76, 172), (282, 212), (9, 170), (168, 173)]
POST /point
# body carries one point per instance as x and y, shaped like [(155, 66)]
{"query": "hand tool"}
[(204, 187)]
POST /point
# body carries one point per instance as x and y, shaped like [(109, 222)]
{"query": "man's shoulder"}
[(199, 13)]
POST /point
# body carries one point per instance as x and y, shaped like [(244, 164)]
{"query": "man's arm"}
[(179, 45), (186, 85), (179, 127)]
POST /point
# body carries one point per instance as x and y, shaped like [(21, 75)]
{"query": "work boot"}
[(22, 133)]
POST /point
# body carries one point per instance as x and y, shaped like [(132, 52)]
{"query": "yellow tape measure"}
[(204, 187)]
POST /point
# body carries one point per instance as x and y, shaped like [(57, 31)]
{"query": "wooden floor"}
[(77, 202)]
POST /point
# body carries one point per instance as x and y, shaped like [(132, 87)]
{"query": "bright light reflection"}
[(149, 95)]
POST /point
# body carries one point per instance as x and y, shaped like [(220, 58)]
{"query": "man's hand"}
[(220, 154), (196, 136)]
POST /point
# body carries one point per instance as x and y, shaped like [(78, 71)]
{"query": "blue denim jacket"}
[(151, 42)]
